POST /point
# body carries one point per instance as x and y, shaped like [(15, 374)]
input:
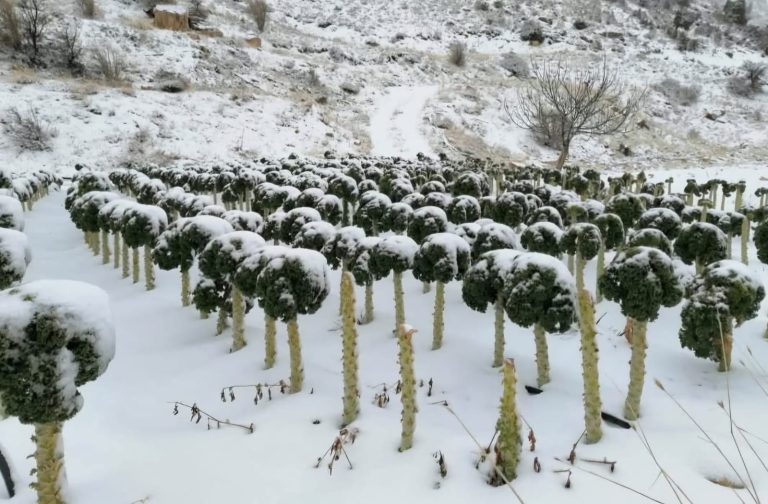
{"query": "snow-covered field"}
[(126, 445)]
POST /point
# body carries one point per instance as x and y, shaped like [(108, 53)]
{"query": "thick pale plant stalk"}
[(592, 403), (636, 370), (125, 261), (426, 287), (221, 321), (542, 355), (600, 270), (294, 346), (105, 255), (408, 384), (399, 303), (270, 341), (50, 463), (116, 249), (149, 268), (745, 229), (729, 246), (438, 323), (185, 287), (508, 425), (570, 263), (135, 265), (238, 320), (204, 315), (498, 329), (726, 344), (368, 313), (351, 401)]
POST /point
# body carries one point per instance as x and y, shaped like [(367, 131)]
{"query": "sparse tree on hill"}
[(564, 102)]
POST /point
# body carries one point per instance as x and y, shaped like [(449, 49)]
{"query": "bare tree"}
[(72, 45), (34, 19), (562, 103)]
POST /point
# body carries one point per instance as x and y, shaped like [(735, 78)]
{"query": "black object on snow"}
[(5, 471)]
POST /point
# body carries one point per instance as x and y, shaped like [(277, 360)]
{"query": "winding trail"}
[(396, 127)]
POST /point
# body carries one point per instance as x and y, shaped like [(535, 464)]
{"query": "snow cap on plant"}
[(542, 237), (427, 220), (702, 243), (663, 219), (539, 289), (641, 280), (55, 336), (494, 236)]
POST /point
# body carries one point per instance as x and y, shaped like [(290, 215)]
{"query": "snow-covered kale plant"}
[(219, 262), (290, 284), (55, 336), (394, 254), (539, 291), (15, 256), (641, 280), (494, 236), (701, 243), (542, 237), (11, 213), (483, 286), (441, 258), (724, 293), (141, 225), (182, 241)]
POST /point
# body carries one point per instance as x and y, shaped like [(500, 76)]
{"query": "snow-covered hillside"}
[(318, 80)]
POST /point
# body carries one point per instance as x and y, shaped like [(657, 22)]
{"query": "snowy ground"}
[(126, 445)]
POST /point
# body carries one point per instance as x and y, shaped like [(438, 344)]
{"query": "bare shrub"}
[(581, 102), (10, 31), (110, 64), (258, 10), (34, 19), (677, 92), (457, 53), (198, 13), (739, 86), (515, 64), (754, 73), (72, 46), (749, 81), (27, 131), (87, 8)]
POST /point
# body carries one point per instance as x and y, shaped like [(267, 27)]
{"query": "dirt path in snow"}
[(396, 127)]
